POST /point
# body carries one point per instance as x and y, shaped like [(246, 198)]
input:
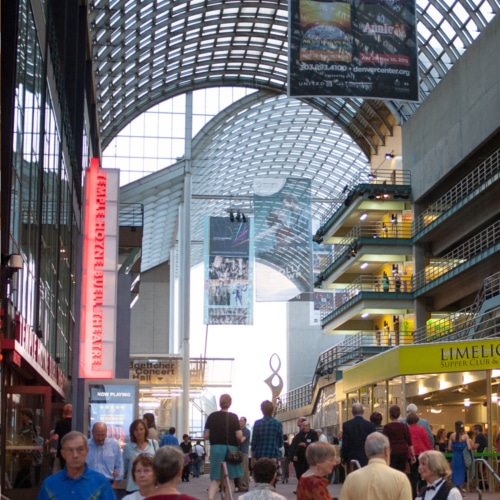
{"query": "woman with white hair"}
[(435, 470), (168, 463)]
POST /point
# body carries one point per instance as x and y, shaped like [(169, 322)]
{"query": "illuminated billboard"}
[(99, 273)]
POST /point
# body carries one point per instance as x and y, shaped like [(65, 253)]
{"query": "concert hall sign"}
[(362, 48)]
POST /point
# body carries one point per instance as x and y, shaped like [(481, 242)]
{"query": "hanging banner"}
[(366, 48), (283, 239), (228, 272), (321, 298)]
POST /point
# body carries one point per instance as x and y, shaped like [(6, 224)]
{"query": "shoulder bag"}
[(232, 456)]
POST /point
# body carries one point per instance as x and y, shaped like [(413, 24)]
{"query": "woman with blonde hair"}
[(435, 470)]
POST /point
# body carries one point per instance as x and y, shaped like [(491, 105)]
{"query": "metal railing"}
[(354, 347), (480, 177), (294, 399), (366, 283), (225, 484), (457, 326), (478, 467), (472, 247), (466, 323), (380, 177), (378, 231)]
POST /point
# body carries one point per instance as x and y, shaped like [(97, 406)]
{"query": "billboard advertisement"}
[(228, 271), (116, 403), (358, 48)]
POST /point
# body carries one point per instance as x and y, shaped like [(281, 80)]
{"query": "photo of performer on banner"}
[(283, 238)]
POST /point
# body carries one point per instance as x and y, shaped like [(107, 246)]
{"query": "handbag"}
[(232, 456), (468, 458)]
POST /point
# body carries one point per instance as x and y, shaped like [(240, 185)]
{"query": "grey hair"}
[(375, 444), (167, 462), (74, 435), (357, 409), (319, 452), (412, 408)]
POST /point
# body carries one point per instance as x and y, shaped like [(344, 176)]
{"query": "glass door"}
[(27, 426)]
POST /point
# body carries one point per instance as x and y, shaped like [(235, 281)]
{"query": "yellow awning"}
[(440, 357)]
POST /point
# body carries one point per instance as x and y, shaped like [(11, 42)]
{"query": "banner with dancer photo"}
[(283, 240), (362, 48), (228, 272)]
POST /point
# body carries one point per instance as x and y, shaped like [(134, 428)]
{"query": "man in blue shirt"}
[(104, 455), (76, 481), (243, 481), (169, 439), (267, 436)]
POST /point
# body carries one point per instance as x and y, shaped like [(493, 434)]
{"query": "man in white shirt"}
[(264, 472), (321, 437), (104, 454)]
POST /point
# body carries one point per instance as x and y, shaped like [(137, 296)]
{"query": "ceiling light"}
[(436, 410), (466, 402), (365, 315), (388, 156), (364, 265), (363, 216)]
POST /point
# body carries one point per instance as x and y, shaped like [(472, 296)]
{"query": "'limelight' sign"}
[(97, 336)]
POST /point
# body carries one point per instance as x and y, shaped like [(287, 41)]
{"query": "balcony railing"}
[(296, 398), (376, 231), (381, 178), (481, 177), (366, 283), (353, 348), (463, 324), (466, 323), (477, 244)]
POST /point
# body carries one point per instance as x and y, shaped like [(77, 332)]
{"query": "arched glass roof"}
[(149, 51), (146, 52), (256, 136)]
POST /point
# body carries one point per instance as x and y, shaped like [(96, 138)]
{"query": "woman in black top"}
[(223, 431)]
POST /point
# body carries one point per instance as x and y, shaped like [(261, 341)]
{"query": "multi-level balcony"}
[(369, 268), (458, 237)]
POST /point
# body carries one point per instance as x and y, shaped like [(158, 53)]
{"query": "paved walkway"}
[(198, 488)]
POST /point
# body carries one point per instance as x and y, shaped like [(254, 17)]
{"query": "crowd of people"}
[(400, 460)]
